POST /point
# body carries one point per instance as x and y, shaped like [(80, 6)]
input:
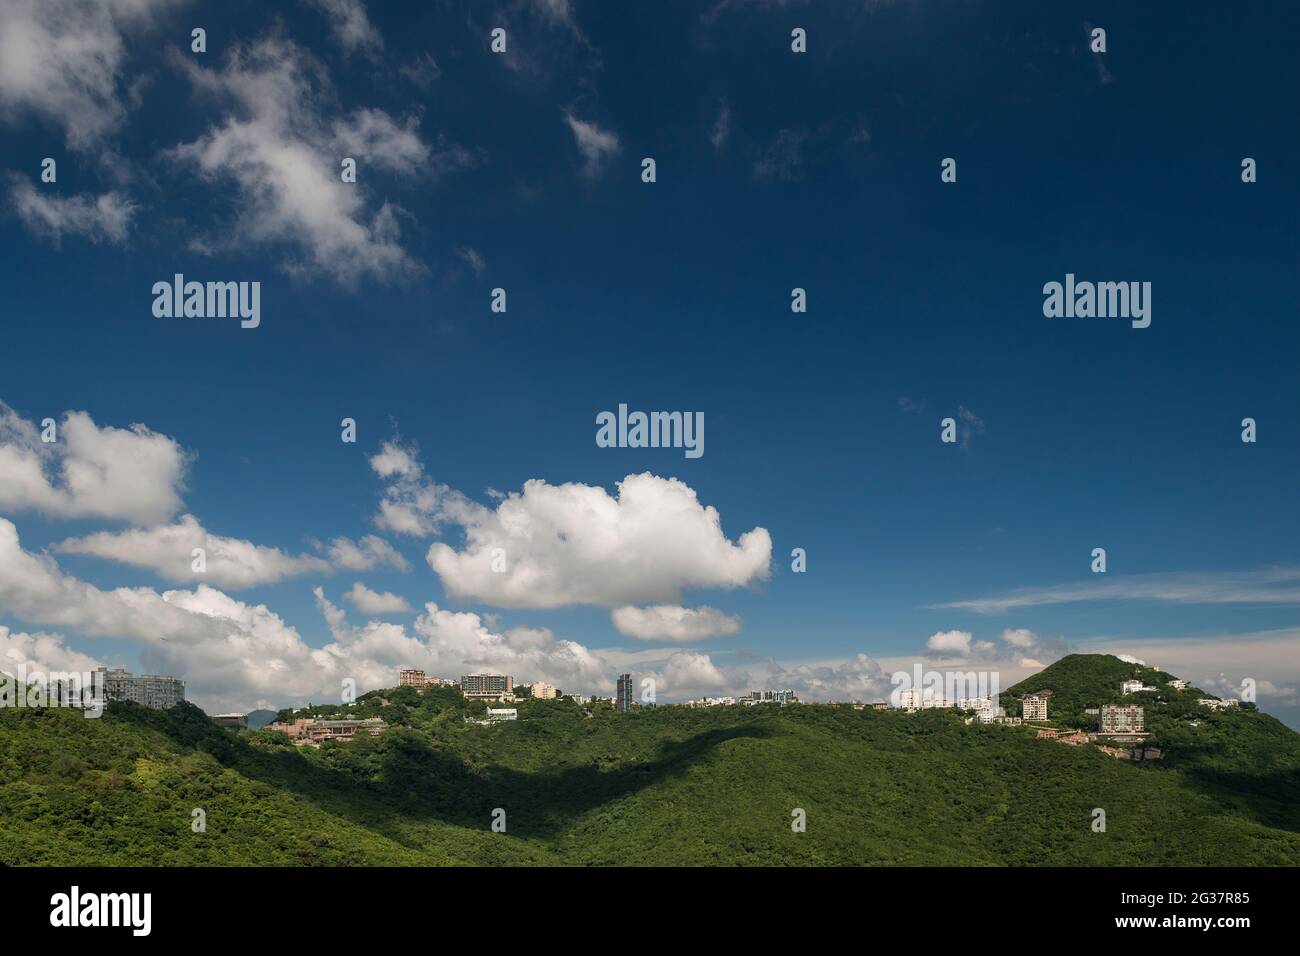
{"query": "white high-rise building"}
[(1035, 707), (158, 691)]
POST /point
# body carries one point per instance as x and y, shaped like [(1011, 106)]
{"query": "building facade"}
[(543, 690), (1035, 707), (159, 691), (410, 677), (1121, 720), (485, 686), (231, 721), (623, 702), (315, 730), (1133, 687)]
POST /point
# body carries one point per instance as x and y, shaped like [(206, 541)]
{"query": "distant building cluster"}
[(159, 691), (779, 697), (987, 710)]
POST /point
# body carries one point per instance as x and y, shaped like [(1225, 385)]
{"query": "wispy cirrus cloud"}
[(596, 145), (99, 218), (351, 25), (1267, 586), (65, 61), (269, 147)]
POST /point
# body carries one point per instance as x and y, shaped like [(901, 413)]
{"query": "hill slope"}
[(665, 786)]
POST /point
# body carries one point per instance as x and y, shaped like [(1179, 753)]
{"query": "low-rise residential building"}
[(314, 731), (1178, 684), (495, 714), (1117, 719), (1215, 704), (411, 677), (1133, 687)]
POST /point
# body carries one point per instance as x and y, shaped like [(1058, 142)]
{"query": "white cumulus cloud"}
[(671, 622), (168, 550), (556, 545), (366, 554), (132, 474), (374, 602)]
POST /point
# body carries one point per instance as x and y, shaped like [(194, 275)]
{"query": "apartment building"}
[(543, 690), (487, 686), (623, 702), (1116, 719), (159, 691), (1034, 706)]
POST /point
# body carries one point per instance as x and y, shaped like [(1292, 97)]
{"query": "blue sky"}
[(775, 170)]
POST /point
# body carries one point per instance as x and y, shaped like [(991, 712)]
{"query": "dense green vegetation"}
[(661, 786)]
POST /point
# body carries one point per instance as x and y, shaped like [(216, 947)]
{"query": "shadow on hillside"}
[(1272, 799), (425, 782)]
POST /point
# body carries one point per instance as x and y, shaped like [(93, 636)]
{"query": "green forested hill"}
[(666, 786), (1079, 681)]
